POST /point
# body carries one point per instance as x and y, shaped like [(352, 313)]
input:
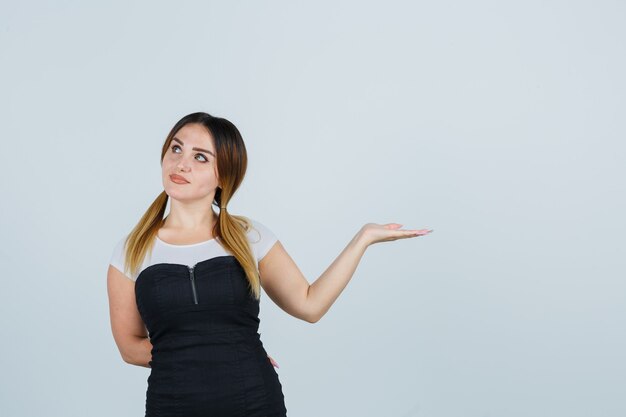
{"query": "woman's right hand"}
[(273, 361)]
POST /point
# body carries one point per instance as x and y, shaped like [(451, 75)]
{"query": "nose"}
[(182, 165)]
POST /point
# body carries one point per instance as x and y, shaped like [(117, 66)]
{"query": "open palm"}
[(374, 233)]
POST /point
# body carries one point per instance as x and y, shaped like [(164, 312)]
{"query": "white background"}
[(498, 124)]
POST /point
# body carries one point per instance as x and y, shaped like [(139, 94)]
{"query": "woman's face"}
[(191, 155)]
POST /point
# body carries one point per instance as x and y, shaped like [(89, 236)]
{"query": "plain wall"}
[(498, 124)]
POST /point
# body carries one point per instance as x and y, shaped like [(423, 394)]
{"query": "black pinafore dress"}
[(207, 355)]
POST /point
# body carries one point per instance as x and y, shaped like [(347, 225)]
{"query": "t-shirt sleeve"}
[(262, 239), (118, 257)]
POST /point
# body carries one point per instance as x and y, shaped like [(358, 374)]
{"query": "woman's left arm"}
[(285, 284)]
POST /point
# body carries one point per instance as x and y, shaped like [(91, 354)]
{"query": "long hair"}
[(230, 230)]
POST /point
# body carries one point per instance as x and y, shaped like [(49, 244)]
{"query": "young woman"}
[(184, 288)]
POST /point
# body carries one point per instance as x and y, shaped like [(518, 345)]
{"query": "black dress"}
[(207, 355)]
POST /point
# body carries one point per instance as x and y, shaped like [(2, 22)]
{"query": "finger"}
[(418, 230), (412, 233)]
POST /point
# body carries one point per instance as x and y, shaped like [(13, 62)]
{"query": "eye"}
[(199, 154)]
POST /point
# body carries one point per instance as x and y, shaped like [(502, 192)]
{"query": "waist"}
[(196, 339)]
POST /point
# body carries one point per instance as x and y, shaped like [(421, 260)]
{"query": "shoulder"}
[(261, 237), (118, 256), (118, 248), (259, 230)]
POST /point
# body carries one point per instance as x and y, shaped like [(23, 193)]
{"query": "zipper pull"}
[(193, 284)]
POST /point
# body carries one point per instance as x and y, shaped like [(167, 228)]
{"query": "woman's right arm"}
[(128, 328)]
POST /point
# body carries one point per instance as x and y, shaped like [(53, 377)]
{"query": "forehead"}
[(194, 134)]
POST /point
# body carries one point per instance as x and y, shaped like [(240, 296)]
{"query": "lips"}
[(178, 179)]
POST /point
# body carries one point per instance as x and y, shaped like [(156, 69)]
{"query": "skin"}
[(191, 219)]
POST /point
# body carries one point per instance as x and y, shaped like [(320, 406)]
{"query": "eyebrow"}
[(195, 149)]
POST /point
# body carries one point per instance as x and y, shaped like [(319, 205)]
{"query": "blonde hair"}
[(230, 230)]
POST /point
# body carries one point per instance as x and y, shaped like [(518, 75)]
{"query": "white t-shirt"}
[(260, 237)]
